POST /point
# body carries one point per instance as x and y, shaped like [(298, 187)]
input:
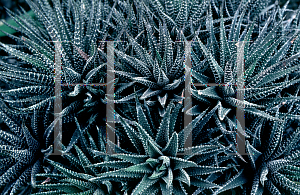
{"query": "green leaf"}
[(140, 168), (143, 185), (210, 92), (162, 136), (145, 136), (225, 52), (56, 192), (135, 159), (67, 188), (11, 22), (204, 170), (182, 14), (183, 134), (182, 176), (68, 172), (172, 146), (180, 163), (112, 164), (25, 57), (118, 175), (195, 150), (262, 114), (152, 150), (169, 178), (197, 181), (239, 179), (216, 69), (132, 135)]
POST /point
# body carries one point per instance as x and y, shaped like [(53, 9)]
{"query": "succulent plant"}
[(157, 76), (75, 177), (31, 79), (271, 65), (22, 153), (152, 162), (272, 161), (277, 167), (188, 17), (150, 156)]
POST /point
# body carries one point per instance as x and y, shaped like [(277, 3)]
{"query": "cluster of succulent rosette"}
[(156, 151)]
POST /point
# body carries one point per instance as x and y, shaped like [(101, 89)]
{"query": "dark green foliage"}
[(31, 80), (22, 155), (75, 178), (269, 65), (152, 160), (150, 108)]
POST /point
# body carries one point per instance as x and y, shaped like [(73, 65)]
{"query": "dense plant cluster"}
[(150, 67)]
